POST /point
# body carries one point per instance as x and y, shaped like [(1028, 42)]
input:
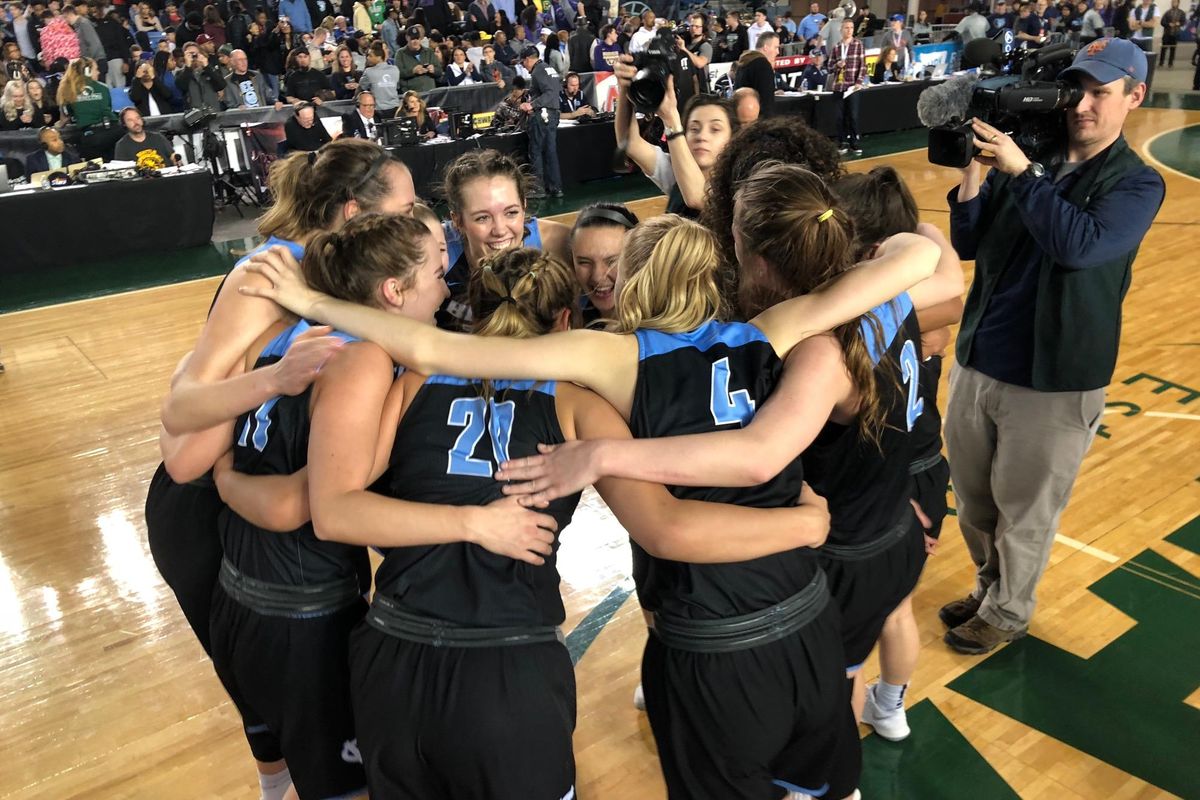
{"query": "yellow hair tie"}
[(825, 215)]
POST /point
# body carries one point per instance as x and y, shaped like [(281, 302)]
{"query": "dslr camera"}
[(1023, 95), (649, 85)]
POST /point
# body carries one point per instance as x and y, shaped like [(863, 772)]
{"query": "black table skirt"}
[(54, 228), (585, 152), (881, 109)]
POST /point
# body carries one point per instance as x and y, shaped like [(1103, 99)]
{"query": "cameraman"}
[(1053, 252), (200, 82)]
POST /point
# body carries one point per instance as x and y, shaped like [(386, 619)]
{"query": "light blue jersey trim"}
[(545, 387), (706, 337), (891, 316)]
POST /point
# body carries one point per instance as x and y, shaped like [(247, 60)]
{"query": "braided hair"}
[(350, 264)]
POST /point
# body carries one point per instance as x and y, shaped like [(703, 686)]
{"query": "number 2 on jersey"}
[(910, 368), (472, 415), (728, 408)]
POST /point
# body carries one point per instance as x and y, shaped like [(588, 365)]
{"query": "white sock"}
[(889, 696), (274, 787)]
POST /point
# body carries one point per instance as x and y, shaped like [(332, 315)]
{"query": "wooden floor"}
[(105, 692)]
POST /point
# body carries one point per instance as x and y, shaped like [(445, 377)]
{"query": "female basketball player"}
[(761, 626), (596, 240), (486, 192), (460, 640), (864, 379), (312, 192)]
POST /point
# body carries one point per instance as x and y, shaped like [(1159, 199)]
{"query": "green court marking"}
[(1179, 150), (581, 638), (1125, 704), (1187, 537), (935, 763)]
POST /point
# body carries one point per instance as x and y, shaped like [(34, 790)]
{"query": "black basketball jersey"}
[(713, 379), (447, 448), (927, 430), (867, 484), (273, 440)]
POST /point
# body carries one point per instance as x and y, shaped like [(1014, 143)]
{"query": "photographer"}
[(200, 81), (1053, 251), (693, 145), (148, 93), (695, 53)]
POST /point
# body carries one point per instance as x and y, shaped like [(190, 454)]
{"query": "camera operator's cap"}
[(530, 52), (1107, 60)]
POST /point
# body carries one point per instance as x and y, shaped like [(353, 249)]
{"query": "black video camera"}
[(1026, 98), (649, 85)]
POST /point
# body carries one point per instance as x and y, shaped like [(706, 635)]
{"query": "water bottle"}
[(804, 85)]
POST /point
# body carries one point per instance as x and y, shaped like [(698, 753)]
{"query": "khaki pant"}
[(1014, 454)]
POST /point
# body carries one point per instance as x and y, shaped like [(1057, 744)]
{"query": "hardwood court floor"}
[(106, 694)]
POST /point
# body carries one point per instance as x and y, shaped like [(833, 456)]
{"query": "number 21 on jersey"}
[(475, 416)]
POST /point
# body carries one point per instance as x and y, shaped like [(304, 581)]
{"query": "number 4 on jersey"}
[(728, 408), (475, 415)]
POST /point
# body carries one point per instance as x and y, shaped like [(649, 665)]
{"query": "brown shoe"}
[(976, 636), (956, 613)]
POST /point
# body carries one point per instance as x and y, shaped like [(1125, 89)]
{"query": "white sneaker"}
[(639, 698), (891, 725)]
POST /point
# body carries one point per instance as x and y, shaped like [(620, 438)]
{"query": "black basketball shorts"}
[(485, 723), (757, 723), (929, 489), (290, 679)]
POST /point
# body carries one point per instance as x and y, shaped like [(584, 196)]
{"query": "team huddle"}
[(755, 401)]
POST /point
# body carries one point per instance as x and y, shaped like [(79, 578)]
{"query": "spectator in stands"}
[(85, 31), (16, 109), (170, 17), (831, 32), (245, 88), (461, 72), (866, 23), (555, 55), (973, 26), (413, 106), (1091, 26), (345, 77), (382, 80), (887, 67), (1142, 20), (505, 53), (492, 71), (480, 16), (164, 71), (207, 46), (148, 93), (304, 84), (757, 28), (510, 113), (756, 70), (1029, 26), (146, 20), (730, 45), (810, 26), (571, 102), (297, 13), (815, 74), (53, 155), (199, 80), (848, 66), (363, 121), (362, 17), (418, 66), (24, 28), (214, 26), (391, 29), (304, 131), (519, 41), (900, 41), (579, 48), (45, 111), (693, 145), (543, 124), (644, 34), (137, 139), (59, 41), (1001, 18), (746, 105), (605, 50)]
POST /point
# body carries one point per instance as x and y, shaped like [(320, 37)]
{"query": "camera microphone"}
[(946, 102)]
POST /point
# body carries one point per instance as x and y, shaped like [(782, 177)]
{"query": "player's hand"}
[(624, 70), (931, 545), (287, 288), (222, 469), (812, 504), (560, 470), (506, 528), (300, 366)]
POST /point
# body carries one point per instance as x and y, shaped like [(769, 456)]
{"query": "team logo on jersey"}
[(350, 752)]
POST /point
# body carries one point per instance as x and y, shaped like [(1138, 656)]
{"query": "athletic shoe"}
[(977, 636), (891, 725), (956, 613), (858, 151), (639, 698), (557, 194), (843, 150)]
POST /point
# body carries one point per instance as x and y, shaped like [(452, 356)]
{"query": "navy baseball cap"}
[(1107, 60), (896, 18)]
